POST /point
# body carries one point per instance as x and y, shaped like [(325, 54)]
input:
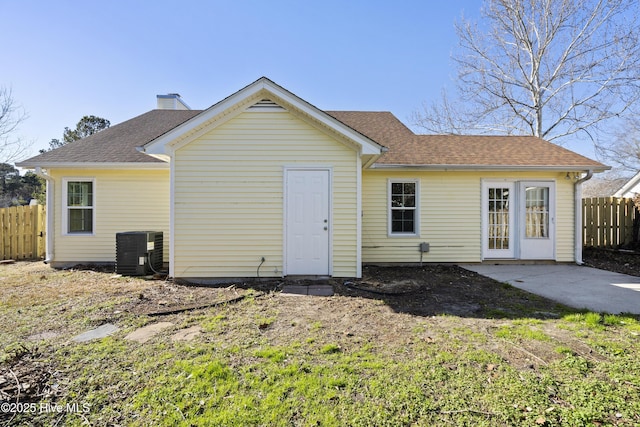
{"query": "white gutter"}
[(578, 215), (49, 233)]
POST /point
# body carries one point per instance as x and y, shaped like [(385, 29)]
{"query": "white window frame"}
[(65, 207), (390, 209)]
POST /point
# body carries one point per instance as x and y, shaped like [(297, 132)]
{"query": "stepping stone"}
[(320, 290), (97, 333), (187, 334), (295, 289), (317, 290), (145, 333)]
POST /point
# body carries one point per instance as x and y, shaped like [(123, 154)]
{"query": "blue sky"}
[(66, 59)]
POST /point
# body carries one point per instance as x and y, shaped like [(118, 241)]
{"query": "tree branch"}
[(551, 68)]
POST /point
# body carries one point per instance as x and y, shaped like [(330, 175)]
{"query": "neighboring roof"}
[(116, 144), (407, 149), (629, 186), (602, 187)]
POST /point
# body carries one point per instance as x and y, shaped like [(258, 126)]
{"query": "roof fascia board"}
[(96, 165), (491, 167)]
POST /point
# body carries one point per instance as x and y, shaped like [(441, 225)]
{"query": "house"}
[(630, 188), (265, 183), (602, 186)]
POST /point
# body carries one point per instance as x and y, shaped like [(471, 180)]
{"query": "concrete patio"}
[(569, 284)]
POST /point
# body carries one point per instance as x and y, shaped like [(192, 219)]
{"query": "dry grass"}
[(26, 283), (36, 299)]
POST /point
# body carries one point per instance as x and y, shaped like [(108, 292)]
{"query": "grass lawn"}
[(279, 360)]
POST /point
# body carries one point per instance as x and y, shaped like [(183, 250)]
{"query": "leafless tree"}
[(12, 147), (624, 149), (549, 68)]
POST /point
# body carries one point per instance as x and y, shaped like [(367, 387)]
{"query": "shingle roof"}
[(381, 126), (475, 150), (409, 149), (118, 143)]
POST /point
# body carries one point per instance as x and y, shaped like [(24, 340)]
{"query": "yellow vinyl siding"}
[(447, 222), (565, 219), (229, 196), (124, 200), (450, 216)]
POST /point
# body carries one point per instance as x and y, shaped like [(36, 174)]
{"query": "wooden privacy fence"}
[(22, 230), (609, 222)]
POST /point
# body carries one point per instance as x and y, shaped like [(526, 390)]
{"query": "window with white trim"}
[(78, 201), (403, 208)]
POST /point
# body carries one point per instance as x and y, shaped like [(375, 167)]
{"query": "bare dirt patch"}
[(434, 290), (619, 261), (429, 290), (167, 297)]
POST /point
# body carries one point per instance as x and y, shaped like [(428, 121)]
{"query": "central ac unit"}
[(139, 253)]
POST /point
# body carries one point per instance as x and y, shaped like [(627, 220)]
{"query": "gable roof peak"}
[(263, 88)]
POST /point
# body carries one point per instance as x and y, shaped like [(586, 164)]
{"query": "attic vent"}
[(265, 104)]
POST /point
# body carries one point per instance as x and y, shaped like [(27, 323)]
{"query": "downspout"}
[(578, 215), (49, 233)]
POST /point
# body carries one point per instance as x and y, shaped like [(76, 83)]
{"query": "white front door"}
[(498, 219), (537, 220), (307, 221)]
